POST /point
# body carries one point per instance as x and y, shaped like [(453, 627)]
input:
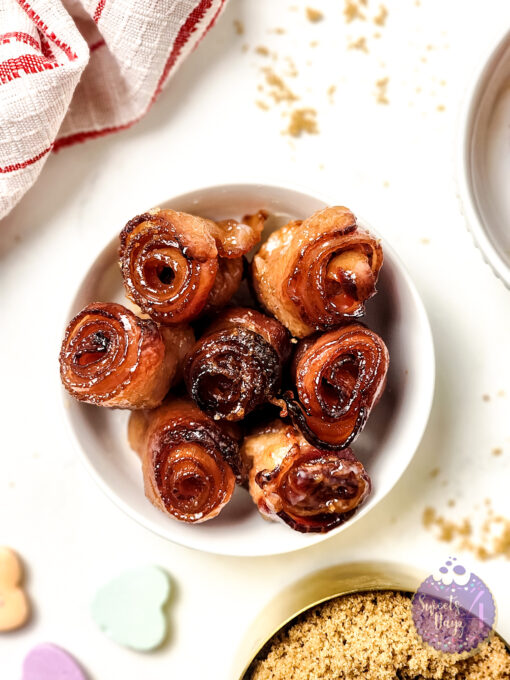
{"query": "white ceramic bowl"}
[(483, 161), (386, 446)]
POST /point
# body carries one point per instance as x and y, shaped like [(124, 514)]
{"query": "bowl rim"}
[(427, 388), (464, 177)]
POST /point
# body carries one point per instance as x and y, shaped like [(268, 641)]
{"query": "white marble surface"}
[(392, 163)]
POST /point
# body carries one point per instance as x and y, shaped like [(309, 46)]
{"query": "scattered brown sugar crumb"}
[(497, 451), (434, 472), (451, 529), (314, 15), (262, 50), (486, 535), (382, 88), (377, 35), (451, 503), (279, 91), (302, 120), (502, 542), (486, 397), (331, 93), (447, 530), (359, 44), (262, 105), (428, 517), (441, 107), (425, 241), (380, 18), (372, 636), (239, 27), (501, 393), (314, 43), (279, 30), (352, 10)]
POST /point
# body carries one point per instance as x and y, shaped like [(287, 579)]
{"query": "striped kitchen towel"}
[(71, 70)]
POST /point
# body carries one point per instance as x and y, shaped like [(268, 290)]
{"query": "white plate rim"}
[(467, 118)]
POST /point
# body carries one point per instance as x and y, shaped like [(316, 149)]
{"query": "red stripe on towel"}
[(99, 10), (24, 164), (44, 29), (20, 37), (27, 63)]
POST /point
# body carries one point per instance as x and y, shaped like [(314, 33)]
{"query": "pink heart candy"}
[(49, 662)]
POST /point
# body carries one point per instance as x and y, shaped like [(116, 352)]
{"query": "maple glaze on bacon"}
[(111, 357), (237, 363), (189, 462), (339, 377), (174, 264), (315, 274), (309, 489)]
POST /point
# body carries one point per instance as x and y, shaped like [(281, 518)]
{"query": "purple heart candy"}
[(49, 662)]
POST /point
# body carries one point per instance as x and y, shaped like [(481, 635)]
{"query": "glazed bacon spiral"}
[(189, 462), (315, 274), (111, 357), (339, 377), (174, 264), (237, 364), (309, 489)]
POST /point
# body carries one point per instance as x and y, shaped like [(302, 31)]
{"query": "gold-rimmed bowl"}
[(315, 589)]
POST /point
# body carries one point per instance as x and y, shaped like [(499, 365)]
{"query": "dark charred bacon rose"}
[(237, 364)]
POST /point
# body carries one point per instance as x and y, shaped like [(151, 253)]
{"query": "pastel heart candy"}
[(130, 608), (14, 609), (49, 662)]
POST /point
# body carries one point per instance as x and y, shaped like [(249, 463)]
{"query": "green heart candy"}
[(130, 608)]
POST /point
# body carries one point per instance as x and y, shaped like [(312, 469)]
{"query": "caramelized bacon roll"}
[(189, 462), (237, 364), (309, 489), (339, 377), (174, 264), (111, 357), (313, 275)]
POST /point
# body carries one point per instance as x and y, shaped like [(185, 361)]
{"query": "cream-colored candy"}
[(14, 608)]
